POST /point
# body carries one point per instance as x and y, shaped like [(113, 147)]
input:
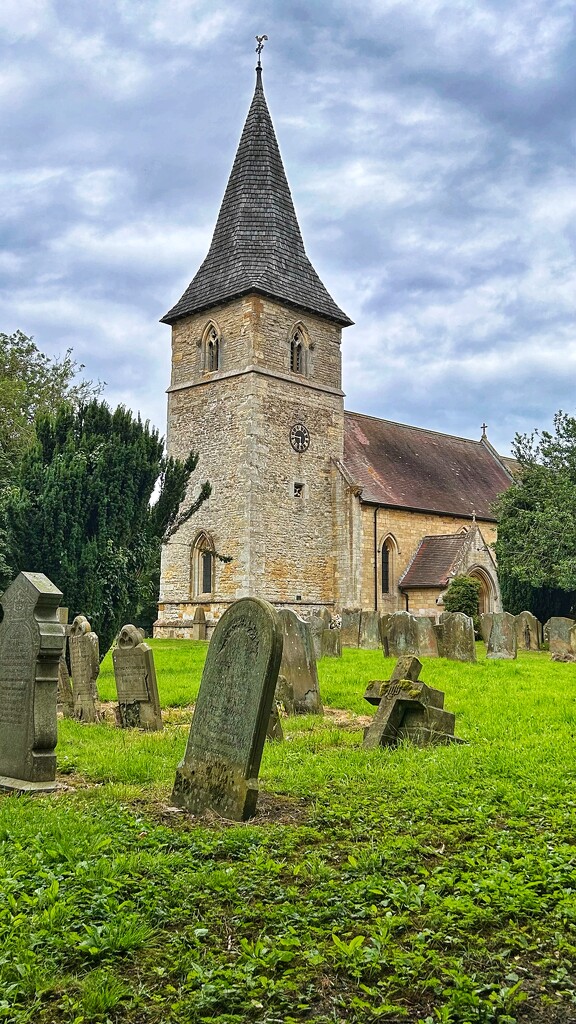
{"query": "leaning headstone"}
[(199, 623), (407, 667), (502, 640), (350, 629), (558, 631), (486, 625), (85, 666), (300, 689), (410, 710), (528, 632), (455, 636), (220, 767), (136, 686), (401, 635), (370, 630), (31, 642)]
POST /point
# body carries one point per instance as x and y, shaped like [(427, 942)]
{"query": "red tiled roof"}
[(433, 561), (408, 467)]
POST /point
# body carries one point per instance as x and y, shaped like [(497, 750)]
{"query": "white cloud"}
[(192, 23)]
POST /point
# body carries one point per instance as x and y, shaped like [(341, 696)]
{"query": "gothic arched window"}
[(297, 352), (211, 348), (300, 349), (387, 553), (202, 565)]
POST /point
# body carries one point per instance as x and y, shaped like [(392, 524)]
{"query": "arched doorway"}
[(486, 597)]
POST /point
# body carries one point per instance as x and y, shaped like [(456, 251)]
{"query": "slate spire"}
[(257, 244)]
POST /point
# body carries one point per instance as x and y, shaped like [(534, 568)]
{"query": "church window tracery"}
[(387, 553), (299, 348), (211, 348)]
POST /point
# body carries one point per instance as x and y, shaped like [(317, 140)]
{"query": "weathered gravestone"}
[(274, 730), (299, 691), (31, 642), (350, 628), (528, 632), (486, 625), (409, 710), (502, 640), (370, 630), (558, 631), (455, 636), (427, 642), (332, 639), (65, 695), (220, 767), (407, 667), (199, 623), (136, 686), (85, 666), (318, 622), (401, 635)]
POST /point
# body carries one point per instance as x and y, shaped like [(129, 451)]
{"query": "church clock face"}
[(299, 437)]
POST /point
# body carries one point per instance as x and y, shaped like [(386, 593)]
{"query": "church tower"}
[(256, 391)]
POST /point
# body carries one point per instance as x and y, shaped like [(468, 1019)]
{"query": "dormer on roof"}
[(257, 245)]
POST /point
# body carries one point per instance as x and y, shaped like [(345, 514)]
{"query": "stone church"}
[(312, 506)]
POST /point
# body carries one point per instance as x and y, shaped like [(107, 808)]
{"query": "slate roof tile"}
[(257, 244), (433, 561), (408, 467)]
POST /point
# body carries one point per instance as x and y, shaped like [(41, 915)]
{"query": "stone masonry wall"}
[(407, 530), (238, 418)]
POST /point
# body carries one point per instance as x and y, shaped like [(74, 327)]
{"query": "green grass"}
[(434, 885)]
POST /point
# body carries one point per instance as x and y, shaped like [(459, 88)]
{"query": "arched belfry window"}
[(211, 347), (203, 565), (299, 346), (387, 555)]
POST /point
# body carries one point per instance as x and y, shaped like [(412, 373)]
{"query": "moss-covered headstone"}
[(85, 666), (220, 767), (31, 642)]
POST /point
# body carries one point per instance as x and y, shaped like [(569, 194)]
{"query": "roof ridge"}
[(410, 426)]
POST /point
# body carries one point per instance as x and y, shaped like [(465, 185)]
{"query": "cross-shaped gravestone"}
[(31, 642)]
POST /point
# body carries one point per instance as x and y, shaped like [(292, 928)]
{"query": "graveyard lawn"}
[(418, 885)]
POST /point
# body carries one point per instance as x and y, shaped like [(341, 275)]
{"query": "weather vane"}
[(260, 40)]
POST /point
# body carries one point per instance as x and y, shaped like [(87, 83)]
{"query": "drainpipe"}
[(375, 558)]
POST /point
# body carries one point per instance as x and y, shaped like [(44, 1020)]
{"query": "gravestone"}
[(31, 642), (528, 632), (199, 623), (318, 622), (220, 767), (274, 730), (300, 692), (486, 625), (455, 636), (407, 667), (65, 695), (502, 640), (427, 642), (401, 635), (409, 710), (558, 631), (370, 630), (331, 641), (350, 629), (136, 686), (85, 666)]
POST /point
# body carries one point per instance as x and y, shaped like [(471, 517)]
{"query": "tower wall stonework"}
[(238, 419)]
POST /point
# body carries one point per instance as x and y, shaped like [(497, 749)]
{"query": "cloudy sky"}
[(429, 146)]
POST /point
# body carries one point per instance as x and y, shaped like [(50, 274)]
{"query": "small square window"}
[(298, 490)]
